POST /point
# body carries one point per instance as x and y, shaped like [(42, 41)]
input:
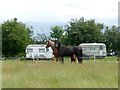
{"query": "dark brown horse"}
[(69, 51), (55, 51)]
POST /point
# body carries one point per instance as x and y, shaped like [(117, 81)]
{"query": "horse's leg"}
[(80, 56), (62, 59), (72, 59), (76, 59), (53, 58), (56, 59), (80, 59), (78, 53), (74, 56)]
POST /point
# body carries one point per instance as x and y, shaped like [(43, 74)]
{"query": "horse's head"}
[(49, 43), (52, 45)]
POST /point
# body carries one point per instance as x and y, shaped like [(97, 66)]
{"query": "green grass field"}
[(49, 74)]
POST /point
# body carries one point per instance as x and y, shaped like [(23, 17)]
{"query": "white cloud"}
[(58, 10)]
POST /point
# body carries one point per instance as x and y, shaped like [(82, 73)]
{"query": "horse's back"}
[(66, 51), (69, 51)]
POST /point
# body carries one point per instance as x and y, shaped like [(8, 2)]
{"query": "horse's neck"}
[(54, 49)]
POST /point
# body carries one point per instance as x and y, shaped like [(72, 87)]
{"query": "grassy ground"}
[(49, 74), (0, 74)]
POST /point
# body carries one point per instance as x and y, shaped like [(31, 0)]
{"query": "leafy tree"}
[(15, 36), (56, 32), (118, 41), (82, 31), (112, 38), (40, 39)]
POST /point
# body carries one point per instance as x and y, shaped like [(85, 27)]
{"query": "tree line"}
[(17, 35)]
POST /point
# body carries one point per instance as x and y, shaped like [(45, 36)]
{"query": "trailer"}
[(94, 49), (35, 51)]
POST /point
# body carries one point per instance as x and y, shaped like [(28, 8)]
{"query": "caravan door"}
[(101, 51)]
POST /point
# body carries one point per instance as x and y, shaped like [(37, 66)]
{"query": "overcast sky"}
[(59, 11)]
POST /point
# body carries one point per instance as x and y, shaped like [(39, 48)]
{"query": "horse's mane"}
[(59, 45)]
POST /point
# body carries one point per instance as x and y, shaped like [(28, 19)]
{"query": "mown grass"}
[(49, 74)]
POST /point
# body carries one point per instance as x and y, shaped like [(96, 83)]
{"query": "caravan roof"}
[(95, 44), (36, 45)]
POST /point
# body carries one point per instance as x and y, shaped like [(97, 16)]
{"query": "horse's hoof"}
[(62, 62), (80, 62)]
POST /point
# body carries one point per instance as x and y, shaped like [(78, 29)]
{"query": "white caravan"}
[(94, 49), (38, 52)]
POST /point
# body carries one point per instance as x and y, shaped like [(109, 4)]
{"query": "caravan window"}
[(92, 48), (42, 50), (84, 49), (47, 49), (29, 50)]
